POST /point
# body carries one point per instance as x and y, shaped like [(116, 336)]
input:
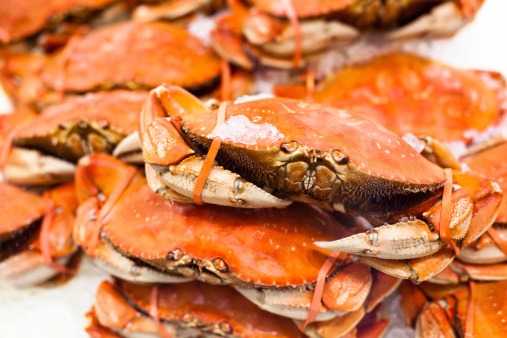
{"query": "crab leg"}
[(165, 146), (470, 207)]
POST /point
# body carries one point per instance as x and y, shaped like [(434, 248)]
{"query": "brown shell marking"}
[(21, 18), (213, 308), (372, 148), (94, 122), (406, 93), (156, 53)]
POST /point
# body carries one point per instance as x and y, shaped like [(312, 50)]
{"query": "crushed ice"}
[(239, 129), (247, 98), (414, 142), (201, 28)]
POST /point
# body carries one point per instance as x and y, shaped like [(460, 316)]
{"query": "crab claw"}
[(394, 241), (177, 165)]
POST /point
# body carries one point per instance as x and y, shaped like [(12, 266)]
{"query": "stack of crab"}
[(263, 217)]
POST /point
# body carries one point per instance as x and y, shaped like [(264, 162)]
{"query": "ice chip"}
[(457, 148), (247, 98), (414, 142), (239, 129), (201, 28)]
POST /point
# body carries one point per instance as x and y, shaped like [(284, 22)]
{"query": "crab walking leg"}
[(165, 146)]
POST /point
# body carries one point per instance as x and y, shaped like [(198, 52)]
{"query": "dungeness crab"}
[(130, 55), (410, 94), (314, 154), (44, 150), (273, 31), (267, 255), (193, 309)]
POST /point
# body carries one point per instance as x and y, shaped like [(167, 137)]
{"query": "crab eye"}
[(225, 327), (289, 147), (339, 157), (220, 265), (175, 255)]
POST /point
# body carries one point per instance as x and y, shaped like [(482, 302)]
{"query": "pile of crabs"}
[(137, 141)]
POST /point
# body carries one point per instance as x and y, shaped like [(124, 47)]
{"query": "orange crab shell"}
[(19, 208), (207, 308), (380, 152), (119, 108), (23, 18), (406, 93), (492, 162), (156, 52), (272, 247), (116, 112)]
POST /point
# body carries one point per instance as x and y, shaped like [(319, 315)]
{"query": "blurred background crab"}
[(273, 32), (42, 151)]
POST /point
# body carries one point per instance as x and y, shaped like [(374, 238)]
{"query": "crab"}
[(446, 312), (309, 152), (410, 94), (21, 19), (267, 255), (274, 31), (45, 149), (157, 53), (36, 242), (191, 308)]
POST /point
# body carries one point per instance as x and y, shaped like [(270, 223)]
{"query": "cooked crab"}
[(410, 94), (270, 33), (45, 149), (21, 19), (35, 241), (309, 152), (190, 309), (267, 255), (157, 53), (131, 55), (194, 308)]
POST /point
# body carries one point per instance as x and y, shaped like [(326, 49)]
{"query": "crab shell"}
[(265, 33), (267, 254), (194, 307), (489, 306), (409, 94), (21, 259), (157, 53), (45, 148), (490, 159), (21, 19), (302, 151)]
